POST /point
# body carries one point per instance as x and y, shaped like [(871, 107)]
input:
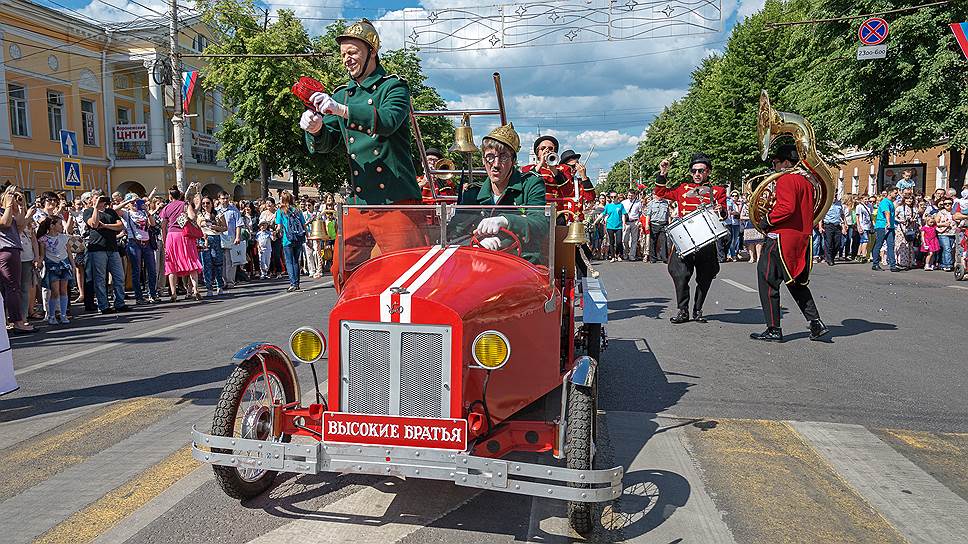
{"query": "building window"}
[(199, 42), (123, 117), (55, 114), (18, 110), (89, 122)]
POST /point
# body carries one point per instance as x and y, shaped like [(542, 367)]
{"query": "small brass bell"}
[(464, 137), (576, 234)]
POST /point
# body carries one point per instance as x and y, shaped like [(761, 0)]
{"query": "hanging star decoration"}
[(494, 40), (669, 10), (572, 34)]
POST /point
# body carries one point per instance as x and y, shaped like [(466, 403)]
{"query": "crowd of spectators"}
[(898, 229), (106, 253)]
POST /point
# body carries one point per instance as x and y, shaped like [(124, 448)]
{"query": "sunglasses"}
[(697, 170)]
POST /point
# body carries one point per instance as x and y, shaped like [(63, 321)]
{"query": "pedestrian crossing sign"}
[(71, 170)]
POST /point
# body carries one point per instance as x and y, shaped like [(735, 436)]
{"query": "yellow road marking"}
[(87, 524), (34, 460), (775, 488)]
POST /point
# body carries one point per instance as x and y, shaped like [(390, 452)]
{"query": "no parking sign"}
[(872, 34)]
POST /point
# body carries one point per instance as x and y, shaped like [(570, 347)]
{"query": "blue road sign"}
[(873, 31), (68, 143), (71, 172)]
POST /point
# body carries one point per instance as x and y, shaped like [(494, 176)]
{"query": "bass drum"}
[(696, 230)]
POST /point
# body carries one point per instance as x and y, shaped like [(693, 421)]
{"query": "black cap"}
[(700, 158), (540, 139), (786, 152), (434, 151), (567, 155)]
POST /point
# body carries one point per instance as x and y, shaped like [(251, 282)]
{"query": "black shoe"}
[(124, 308), (818, 329), (896, 269), (681, 317), (771, 334), (877, 267), (107, 311), (698, 317)]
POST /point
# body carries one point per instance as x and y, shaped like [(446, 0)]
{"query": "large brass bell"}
[(317, 229), (576, 229), (464, 137)]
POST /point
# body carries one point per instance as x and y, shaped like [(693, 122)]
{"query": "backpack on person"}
[(295, 230)]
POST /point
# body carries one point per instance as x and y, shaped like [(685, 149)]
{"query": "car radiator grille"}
[(395, 369)]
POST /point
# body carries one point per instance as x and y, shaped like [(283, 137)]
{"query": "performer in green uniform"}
[(369, 117)]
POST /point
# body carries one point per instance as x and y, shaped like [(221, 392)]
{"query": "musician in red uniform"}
[(441, 186), (705, 262), (787, 254), (557, 177), (586, 191)]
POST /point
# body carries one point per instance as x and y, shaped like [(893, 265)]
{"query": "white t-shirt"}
[(55, 247), (136, 222), (26, 248)]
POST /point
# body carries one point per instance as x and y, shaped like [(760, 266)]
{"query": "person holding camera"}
[(104, 224), (138, 222), (11, 217)]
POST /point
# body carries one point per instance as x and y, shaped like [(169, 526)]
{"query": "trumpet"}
[(445, 164), (551, 159)]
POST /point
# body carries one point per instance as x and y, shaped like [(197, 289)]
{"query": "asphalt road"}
[(861, 438)]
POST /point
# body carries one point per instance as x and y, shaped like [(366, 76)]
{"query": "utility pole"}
[(263, 164), (178, 119)]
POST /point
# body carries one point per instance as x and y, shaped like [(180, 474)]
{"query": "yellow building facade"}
[(104, 83)]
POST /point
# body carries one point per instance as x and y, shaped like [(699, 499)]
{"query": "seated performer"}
[(705, 262), (441, 186), (370, 116), (787, 252), (506, 186)]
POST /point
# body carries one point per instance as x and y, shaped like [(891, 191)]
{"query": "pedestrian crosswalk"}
[(688, 479)]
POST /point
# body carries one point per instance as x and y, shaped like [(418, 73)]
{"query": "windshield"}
[(369, 231)]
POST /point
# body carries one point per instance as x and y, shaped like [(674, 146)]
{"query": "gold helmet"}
[(362, 30), (507, 136)]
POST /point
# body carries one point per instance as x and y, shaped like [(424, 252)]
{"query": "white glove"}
[(311, 122), (492, 225), (325, 104), (493, 243)]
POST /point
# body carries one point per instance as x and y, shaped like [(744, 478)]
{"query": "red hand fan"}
[(305, 88)]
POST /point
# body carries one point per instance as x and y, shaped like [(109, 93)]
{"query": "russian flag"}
[(961, 35), (189, 79)]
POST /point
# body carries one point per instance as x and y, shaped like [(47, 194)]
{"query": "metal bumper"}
[(460, 468)]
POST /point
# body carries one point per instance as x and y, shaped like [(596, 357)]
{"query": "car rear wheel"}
[(244, 410), (580, 455)]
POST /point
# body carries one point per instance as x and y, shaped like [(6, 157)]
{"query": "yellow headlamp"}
[(491, 350), (307, 344)]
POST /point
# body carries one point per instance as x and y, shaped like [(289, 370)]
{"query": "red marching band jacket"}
[(791, 219), (689, 203), (560, 188), (443, 188)]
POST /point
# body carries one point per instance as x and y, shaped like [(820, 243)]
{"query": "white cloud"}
[(605, 139), (748, 7), (121, 11)]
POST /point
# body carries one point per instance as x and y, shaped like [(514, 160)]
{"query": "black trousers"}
[(832, 236), (770, 274), (657, 242), (705, 263)]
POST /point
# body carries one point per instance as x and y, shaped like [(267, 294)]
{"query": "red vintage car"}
[(438, 356)]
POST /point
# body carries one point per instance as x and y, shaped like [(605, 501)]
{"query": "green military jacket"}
[(530, 225), (376, 136)]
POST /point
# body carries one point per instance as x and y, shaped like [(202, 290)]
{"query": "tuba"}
[(770, 125)]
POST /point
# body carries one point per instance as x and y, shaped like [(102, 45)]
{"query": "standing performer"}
[(788, 251), (442, 187), (689, 196), (557, 177), (370, 117)]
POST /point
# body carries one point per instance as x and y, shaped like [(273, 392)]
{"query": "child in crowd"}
[(930, 244), (264, 239), (58, 266)]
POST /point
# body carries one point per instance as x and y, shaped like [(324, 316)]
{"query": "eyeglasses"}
[(697, 170), (503, 158)]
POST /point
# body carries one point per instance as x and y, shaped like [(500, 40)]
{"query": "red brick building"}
[(857, 172)]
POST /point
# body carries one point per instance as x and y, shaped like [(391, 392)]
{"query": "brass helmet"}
[(361, 30), (507, 136)]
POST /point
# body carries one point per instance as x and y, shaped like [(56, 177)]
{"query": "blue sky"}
[(601, 94)]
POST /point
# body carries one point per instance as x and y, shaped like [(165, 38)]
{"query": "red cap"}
[(305, 88)]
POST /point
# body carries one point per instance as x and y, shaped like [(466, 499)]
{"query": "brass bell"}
[(464, 137), (317, 229), (576, 234)]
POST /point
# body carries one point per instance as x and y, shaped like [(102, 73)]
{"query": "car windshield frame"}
[(444, 214)]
